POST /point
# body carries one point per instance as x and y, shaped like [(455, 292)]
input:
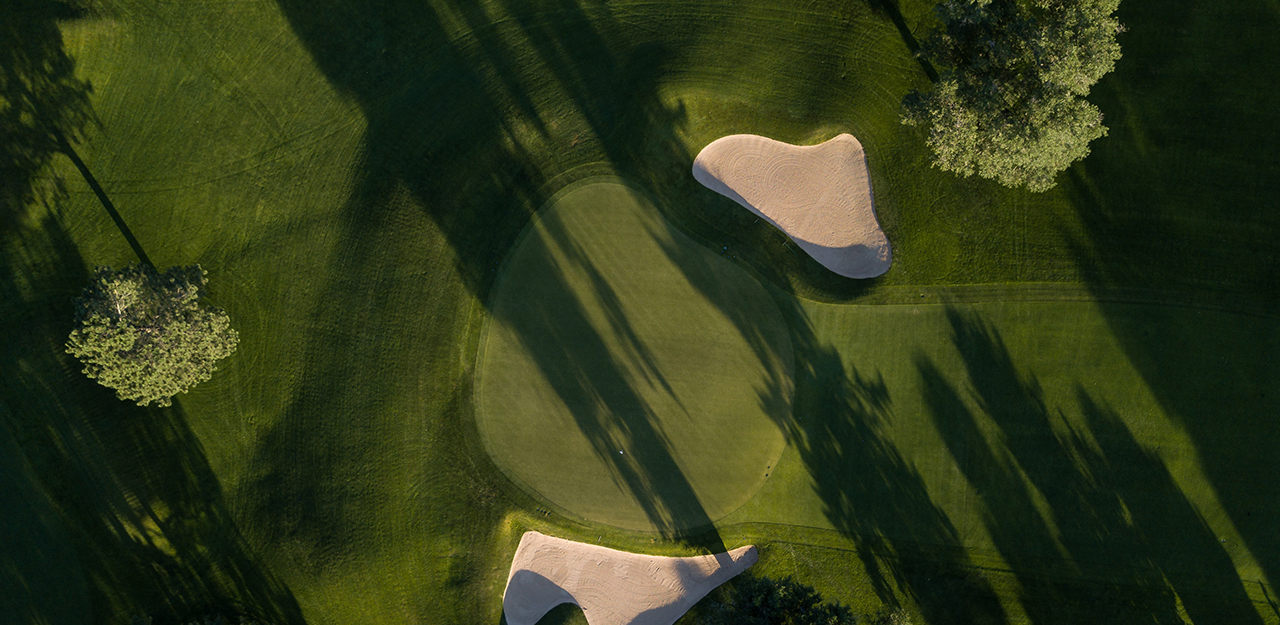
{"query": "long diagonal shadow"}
[(139, 519), (65, 147), (1205, 239), (873, 494), (132, 490), (586, 375), (1118, 539), (428, 146)]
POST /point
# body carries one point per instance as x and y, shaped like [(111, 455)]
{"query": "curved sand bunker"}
[(612, 587), (819, 195)]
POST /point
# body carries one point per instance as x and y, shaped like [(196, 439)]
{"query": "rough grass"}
[(352, 174)]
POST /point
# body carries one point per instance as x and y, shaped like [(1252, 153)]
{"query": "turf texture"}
[(353, 174), (1033, 448), (629, 375)]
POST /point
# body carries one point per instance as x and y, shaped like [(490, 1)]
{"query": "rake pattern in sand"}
[(612, 587), (819, 195)]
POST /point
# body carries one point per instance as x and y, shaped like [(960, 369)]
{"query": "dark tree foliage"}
[(1009, 104), (765, 601), (145, 334), (207, 619)]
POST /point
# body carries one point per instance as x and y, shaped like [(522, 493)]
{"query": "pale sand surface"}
[(612, 587), (819, 195)]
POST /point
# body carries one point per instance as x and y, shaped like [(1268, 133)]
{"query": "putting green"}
[(629, 375)]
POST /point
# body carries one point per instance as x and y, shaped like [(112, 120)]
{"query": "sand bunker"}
[(612, 587), (819, 195)]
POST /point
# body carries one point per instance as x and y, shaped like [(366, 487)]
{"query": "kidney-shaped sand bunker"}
[(627, 374), (819, 195)]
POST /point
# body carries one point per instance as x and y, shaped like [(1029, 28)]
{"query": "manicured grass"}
[(1019, 436), (353, 173), (628, 375)]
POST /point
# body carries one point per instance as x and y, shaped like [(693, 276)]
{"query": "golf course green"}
[(629, 375), (468, 265)]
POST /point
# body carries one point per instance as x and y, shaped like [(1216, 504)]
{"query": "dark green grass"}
[(352, 173), (42, 580), (132, 518)]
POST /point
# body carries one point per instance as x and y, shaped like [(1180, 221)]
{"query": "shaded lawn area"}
[(111, 510), (1019, 436), (352, 174), (1182, 197), (351, 219), (629, 375)]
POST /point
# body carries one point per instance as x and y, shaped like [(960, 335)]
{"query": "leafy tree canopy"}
[(208, 619), (1010, 101), (145, 334), (764, 601)]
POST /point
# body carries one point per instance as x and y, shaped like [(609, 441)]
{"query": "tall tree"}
[(145, 334), (1009, 104)]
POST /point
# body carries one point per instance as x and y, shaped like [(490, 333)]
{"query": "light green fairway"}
[(629, 375)]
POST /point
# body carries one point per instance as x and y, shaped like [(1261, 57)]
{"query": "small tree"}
[(1010, 101), (764, 601), (145, 334)]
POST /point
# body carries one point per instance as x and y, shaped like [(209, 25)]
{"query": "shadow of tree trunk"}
[(890, 8), (114, 509), (133, 493)]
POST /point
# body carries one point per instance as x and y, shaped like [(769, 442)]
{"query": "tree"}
[(764, 601), (1009, 104), (145, 334), (207, 619)]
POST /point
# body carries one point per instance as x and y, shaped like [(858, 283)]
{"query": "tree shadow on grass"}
[(890, 9), (41, 580), (1179, 202), (45, 106), (109, 510), (450, 121), (43, 101), (430, 124), (602, 396), (128, 488), (1091, 523), (459, 98), (873, 494)]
